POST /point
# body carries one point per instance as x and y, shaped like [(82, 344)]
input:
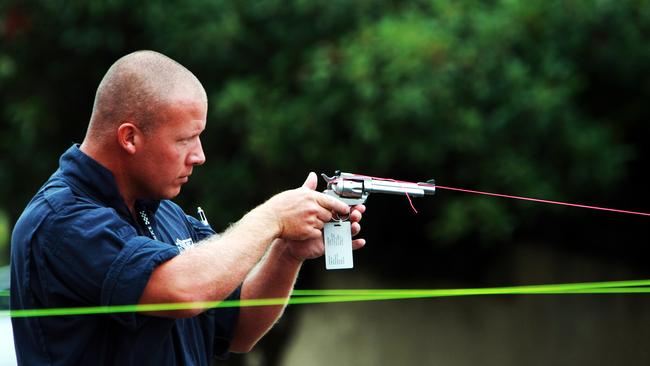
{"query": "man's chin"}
[(171, 193)]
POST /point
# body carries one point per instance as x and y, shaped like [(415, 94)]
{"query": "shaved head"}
[(136, 88)]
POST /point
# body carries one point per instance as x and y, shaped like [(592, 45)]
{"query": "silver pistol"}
[(354, 189)]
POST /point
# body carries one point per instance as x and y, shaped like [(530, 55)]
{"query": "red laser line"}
[(506, 196), (544, 201)]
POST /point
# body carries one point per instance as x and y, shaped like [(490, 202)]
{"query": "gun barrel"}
[(400, 188)]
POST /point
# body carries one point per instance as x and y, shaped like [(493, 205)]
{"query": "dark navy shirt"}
[(76, 245)]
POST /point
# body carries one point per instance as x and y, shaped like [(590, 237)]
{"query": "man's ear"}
[(129, 137)]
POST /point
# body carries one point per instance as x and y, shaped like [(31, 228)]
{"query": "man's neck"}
[(111, 161)]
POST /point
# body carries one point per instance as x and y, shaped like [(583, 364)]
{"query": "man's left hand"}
[(314, 248)]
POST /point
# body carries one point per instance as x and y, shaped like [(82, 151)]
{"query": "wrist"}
[(269, 217), (285, 254)]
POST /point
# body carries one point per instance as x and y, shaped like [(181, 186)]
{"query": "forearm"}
[(274, 277), (213, 269)]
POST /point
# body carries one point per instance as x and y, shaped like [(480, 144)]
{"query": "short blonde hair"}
[(135, 87)]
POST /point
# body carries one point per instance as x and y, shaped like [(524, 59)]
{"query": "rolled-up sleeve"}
[(100, 259), (128, 275)]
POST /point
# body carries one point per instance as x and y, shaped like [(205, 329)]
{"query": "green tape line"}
[(492, 290), (482, 291), (351, 295)]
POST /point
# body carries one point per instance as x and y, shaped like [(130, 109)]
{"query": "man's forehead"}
[(187, 103), (196, 108), (186, 114)]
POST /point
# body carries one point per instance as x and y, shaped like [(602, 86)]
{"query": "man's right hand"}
[(301, 213)]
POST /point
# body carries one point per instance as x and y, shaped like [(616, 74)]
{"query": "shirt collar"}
[(96, 180)]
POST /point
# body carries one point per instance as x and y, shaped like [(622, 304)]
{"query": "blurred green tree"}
[(529, 98), (545, 99)]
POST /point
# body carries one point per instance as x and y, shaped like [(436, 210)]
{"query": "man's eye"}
[(187, 140)]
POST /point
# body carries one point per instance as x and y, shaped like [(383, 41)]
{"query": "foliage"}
[(4, 236), (529, 98)]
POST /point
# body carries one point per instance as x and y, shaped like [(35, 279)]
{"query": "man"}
[(102, 231)]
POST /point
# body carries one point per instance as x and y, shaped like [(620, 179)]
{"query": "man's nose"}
[(197, 157)]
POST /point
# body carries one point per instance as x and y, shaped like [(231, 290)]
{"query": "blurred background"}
[(535, 98)]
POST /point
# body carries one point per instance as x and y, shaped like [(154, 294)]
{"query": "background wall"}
[(543, 99)]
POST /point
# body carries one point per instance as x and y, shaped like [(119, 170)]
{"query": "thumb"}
[(311, 182)]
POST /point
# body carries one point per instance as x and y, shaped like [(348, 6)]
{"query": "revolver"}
[(354, 189)]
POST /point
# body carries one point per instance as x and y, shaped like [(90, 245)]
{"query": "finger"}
[(318, 224), (324, 215), (357, 213), (355, 228), (360, 208), (358, 243), (314, 234), (332, 204), (311, 182), (355, 216)]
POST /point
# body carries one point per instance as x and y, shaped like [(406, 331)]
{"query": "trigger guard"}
[(337, 217)]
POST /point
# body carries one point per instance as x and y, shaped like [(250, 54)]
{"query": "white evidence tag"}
[(338, 245)]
